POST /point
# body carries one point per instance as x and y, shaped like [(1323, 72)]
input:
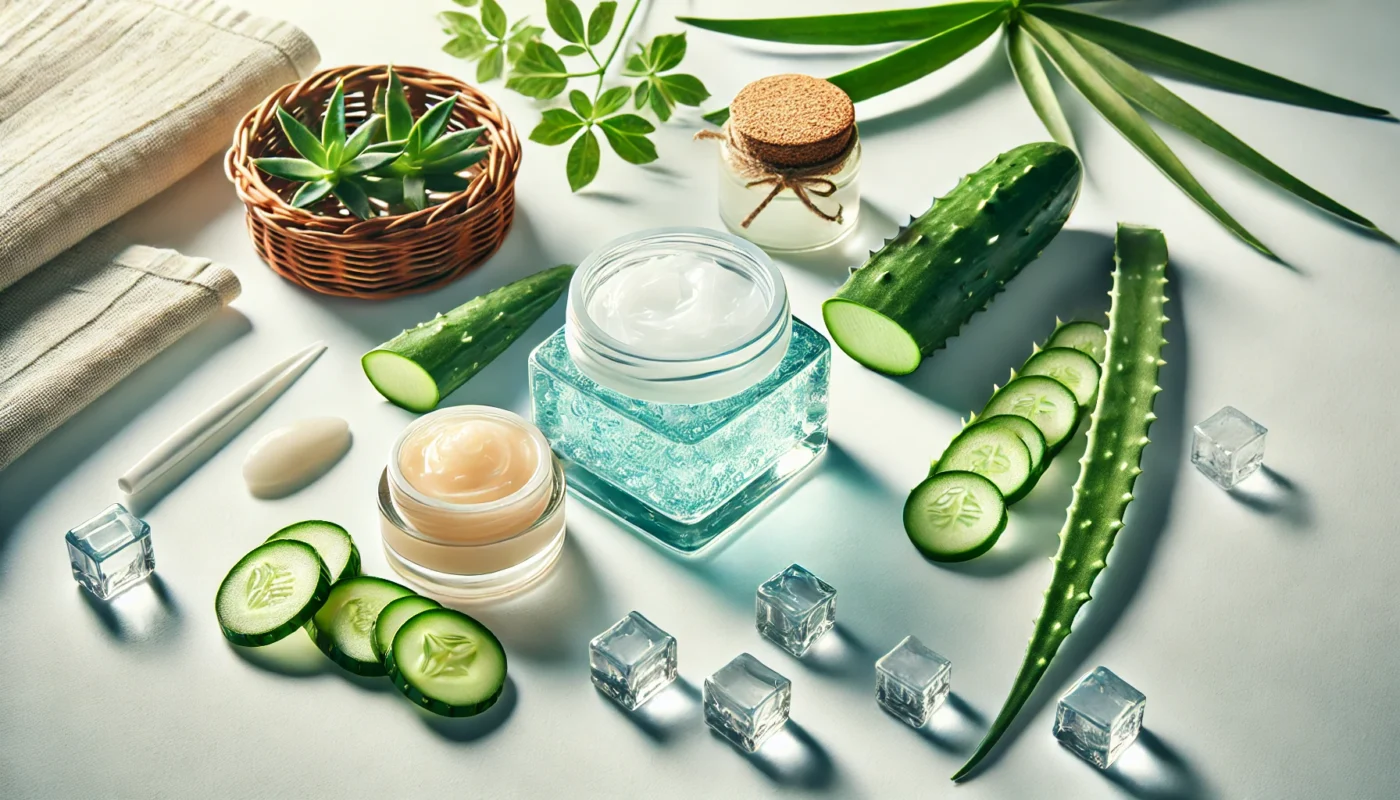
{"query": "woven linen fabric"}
[(86, 320), (104, 104)]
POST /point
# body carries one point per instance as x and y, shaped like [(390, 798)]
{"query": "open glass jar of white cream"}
[(681, 393), (472, 503)]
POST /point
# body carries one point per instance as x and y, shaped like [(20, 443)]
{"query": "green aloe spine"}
[(1111, 463)]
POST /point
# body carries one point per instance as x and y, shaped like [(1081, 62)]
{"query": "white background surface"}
[(1263, 626)]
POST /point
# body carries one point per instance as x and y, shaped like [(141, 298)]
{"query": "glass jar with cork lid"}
[(789, 163)]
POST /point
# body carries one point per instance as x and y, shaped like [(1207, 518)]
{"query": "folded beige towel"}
[(103, 104)]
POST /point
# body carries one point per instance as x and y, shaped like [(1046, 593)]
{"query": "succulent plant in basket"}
[(430, 159), (330, 163), (390, 157)]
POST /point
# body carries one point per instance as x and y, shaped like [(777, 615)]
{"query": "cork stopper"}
[(792, 120)]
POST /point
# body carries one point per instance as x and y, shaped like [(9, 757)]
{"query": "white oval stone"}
[(293, 456)]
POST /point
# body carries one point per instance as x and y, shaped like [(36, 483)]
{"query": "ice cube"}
[(632, 661), (746, 702), (1100, 717), (911, 681), (111, 552), (795, 607), (1228, 447)]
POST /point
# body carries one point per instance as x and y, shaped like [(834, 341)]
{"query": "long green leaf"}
[(909, 64), (354, 198), (1130, 123), (1143, 45), (302, 139), (872, 27), (1162, 103), (1025, 63), (333, 126)]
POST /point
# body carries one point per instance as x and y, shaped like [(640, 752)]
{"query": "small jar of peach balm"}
[(789, 163), (472, 503)]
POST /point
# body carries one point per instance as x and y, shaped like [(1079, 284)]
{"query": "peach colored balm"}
[(472, 502)]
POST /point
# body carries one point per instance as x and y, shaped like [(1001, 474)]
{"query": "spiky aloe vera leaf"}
[(916, 291), (1112, 459)]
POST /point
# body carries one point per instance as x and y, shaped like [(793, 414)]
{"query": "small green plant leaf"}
[(354, 199), (333, 126), (557, 125), (452, 143), (582, 165), (661, 105), (872, 27), (521, 34), (292, 169), (1162, 103), (465, 3), (571, 50), (366, 133), (493, 19), (1121, 115), (581, 104), (366, 162), (309, 193), (398, 115), (626, 133), (565, 20), (459, 24), (539, 73), (1025, 63), (415, 192), (665, 52), (301, 138), (611, 100), (600, 21), (464, 47), (431, 125), (687, 90), (718, 117), (456, 162), (492, 64), (643, 94), (1142, 45)]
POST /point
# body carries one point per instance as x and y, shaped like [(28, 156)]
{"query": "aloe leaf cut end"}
[(1112, 460)]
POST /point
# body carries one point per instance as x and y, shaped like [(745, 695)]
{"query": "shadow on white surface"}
[(1152, 770), (470, 729), (791, 757), (955, 728), (674, 712), (147, 613), (841, 653), (1269, 493), (293, 656)]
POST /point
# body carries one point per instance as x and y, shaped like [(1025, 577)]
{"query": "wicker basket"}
[(328, 250)]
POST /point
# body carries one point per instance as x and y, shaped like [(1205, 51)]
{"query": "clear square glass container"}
[(682, 448)]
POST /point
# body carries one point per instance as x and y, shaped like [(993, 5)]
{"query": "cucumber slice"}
[(1044, 401), (1086, 337), (449, 663), (344, 627), (1031, 437), (1077, 370), (993, 451), (871, 338), (391, 619), (954, 516), (332, 543), (271, 592)]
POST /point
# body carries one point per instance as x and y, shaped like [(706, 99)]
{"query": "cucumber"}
[(995, 452), (1086, 337), (1077, 370), (271, 592), (915, 292), (449, 663), (331, 542), (1044, 401), (344, 627), (420, 366), (1031, 437), (954, 516), (391, 619)]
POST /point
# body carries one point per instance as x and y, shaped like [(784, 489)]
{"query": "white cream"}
[(678, 305), (293, 456)]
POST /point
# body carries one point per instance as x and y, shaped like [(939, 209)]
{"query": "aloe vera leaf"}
[(1162, 103), (871, 27), (302, 139), (1130, 123), (1202, 65), (909, 64), (353, 198), (1025, 63), (1112, 459), (333, 126), (363, 136), (398, 113)]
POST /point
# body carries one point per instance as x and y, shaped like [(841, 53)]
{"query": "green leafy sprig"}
[(538, 70), (1096, 55), (430, 158)]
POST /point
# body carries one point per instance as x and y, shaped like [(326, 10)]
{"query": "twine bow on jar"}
[(803, 182)]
